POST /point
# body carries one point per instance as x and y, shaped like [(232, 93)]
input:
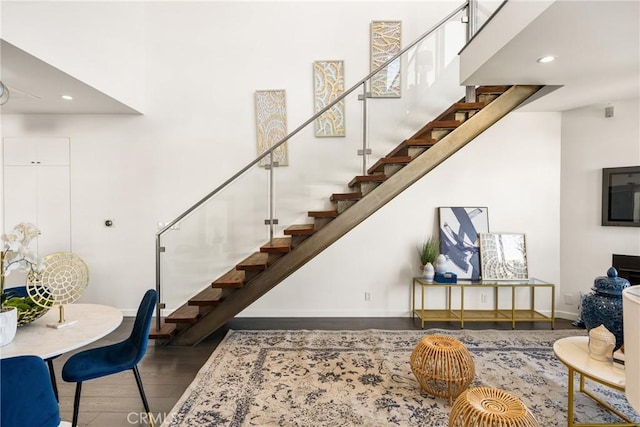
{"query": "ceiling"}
[(36, 87), (597, 45), (597, 50)]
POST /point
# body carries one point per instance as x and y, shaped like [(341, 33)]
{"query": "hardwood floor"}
[(167, 371)]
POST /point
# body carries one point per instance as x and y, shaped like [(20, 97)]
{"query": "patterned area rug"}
[(363, 378)]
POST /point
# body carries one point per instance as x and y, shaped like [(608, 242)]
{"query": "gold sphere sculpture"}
[(490, 407), (443, 366)]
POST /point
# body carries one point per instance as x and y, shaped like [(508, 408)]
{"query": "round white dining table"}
[(92, 322)]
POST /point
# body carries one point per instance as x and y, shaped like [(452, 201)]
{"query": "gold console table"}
[(496, 314)]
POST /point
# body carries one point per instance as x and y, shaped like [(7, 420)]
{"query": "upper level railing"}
[(281, 185)]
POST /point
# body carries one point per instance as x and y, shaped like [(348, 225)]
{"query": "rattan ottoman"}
[(489, 407), (442, 365)]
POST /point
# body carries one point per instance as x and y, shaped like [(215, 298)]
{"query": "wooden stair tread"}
[(466, 106), (419, 142), (208, 297), (398, 160), (323, 214), (491, 89), (367, 178), (413, 142), (254, 262), (185, 314), (335, 197), (278, 245), (442, 124), (300, 230), (231, 279), (166, 331)]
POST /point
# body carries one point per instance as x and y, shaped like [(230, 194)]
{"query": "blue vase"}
[(603, 306)]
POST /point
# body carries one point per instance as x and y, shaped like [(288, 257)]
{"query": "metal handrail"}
[(270, 151)]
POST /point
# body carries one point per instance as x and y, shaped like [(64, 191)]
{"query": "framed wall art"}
[(459, 230), (503, 256), (271, 124), (328, 85), (385, 43)]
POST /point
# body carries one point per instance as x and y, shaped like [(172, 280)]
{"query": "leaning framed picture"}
[(459, 229), (503, 256)]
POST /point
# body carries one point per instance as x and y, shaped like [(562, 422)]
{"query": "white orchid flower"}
[(15, 245), (13, 240)]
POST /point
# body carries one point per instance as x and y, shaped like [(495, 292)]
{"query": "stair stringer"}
[(349, 219)]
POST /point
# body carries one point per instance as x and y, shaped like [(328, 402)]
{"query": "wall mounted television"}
[(621, 196)]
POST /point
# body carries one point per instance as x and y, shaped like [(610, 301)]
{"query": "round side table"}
[(442, 365), (488, 407)]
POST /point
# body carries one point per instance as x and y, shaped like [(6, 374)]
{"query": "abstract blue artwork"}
[(459, 229)]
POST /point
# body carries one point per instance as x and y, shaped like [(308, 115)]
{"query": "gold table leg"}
[(570, 397)]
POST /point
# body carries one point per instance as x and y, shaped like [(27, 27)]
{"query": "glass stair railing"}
[(267, 208)]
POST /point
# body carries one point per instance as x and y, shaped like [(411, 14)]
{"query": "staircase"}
[(408, 162)]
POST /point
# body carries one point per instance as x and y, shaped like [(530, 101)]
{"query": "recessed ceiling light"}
[(546, 59), (67, 97)]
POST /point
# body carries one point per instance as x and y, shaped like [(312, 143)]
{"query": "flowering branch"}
[(15, 254)]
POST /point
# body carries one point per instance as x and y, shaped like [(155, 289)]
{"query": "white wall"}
[(513, 169), (591, 142), (204, 62)]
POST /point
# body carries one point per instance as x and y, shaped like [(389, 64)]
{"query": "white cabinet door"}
[(36, 151), (38, 191), (20, 200), (54, 222)]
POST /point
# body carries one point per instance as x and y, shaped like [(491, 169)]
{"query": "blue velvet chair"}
[(21, 291), (26, 393), (114, 358)]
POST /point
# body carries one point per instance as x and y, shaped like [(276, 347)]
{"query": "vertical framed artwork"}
[(385, 43), (459, 230), (271, 124), (328, 84), (503, 256)]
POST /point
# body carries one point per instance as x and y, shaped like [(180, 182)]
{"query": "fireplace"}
[(628, 266)]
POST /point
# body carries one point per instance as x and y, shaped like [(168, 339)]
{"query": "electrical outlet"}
[(568, 299), (367, 296), (483, 298)]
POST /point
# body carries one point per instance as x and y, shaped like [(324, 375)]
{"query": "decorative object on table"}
[(618, 358), (8, 325), (271, 125), (487, 407), (441, 264), (328, 85), (601, 344), (442, 365), (15, 255), (503, 256), (28, 309), (385, 44), (428, 252), (428, 272), (446, 277), (603, 306), (63, 279), (459, 230)]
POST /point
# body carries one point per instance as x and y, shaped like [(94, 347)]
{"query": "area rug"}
[(363, 378)]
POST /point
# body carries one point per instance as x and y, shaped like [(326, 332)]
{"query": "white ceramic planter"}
[(8, 325)]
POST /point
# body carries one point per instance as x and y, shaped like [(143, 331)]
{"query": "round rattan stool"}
[(442, 365), (490, 407)]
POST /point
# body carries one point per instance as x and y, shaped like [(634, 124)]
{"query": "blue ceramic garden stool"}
[(603, 306)]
